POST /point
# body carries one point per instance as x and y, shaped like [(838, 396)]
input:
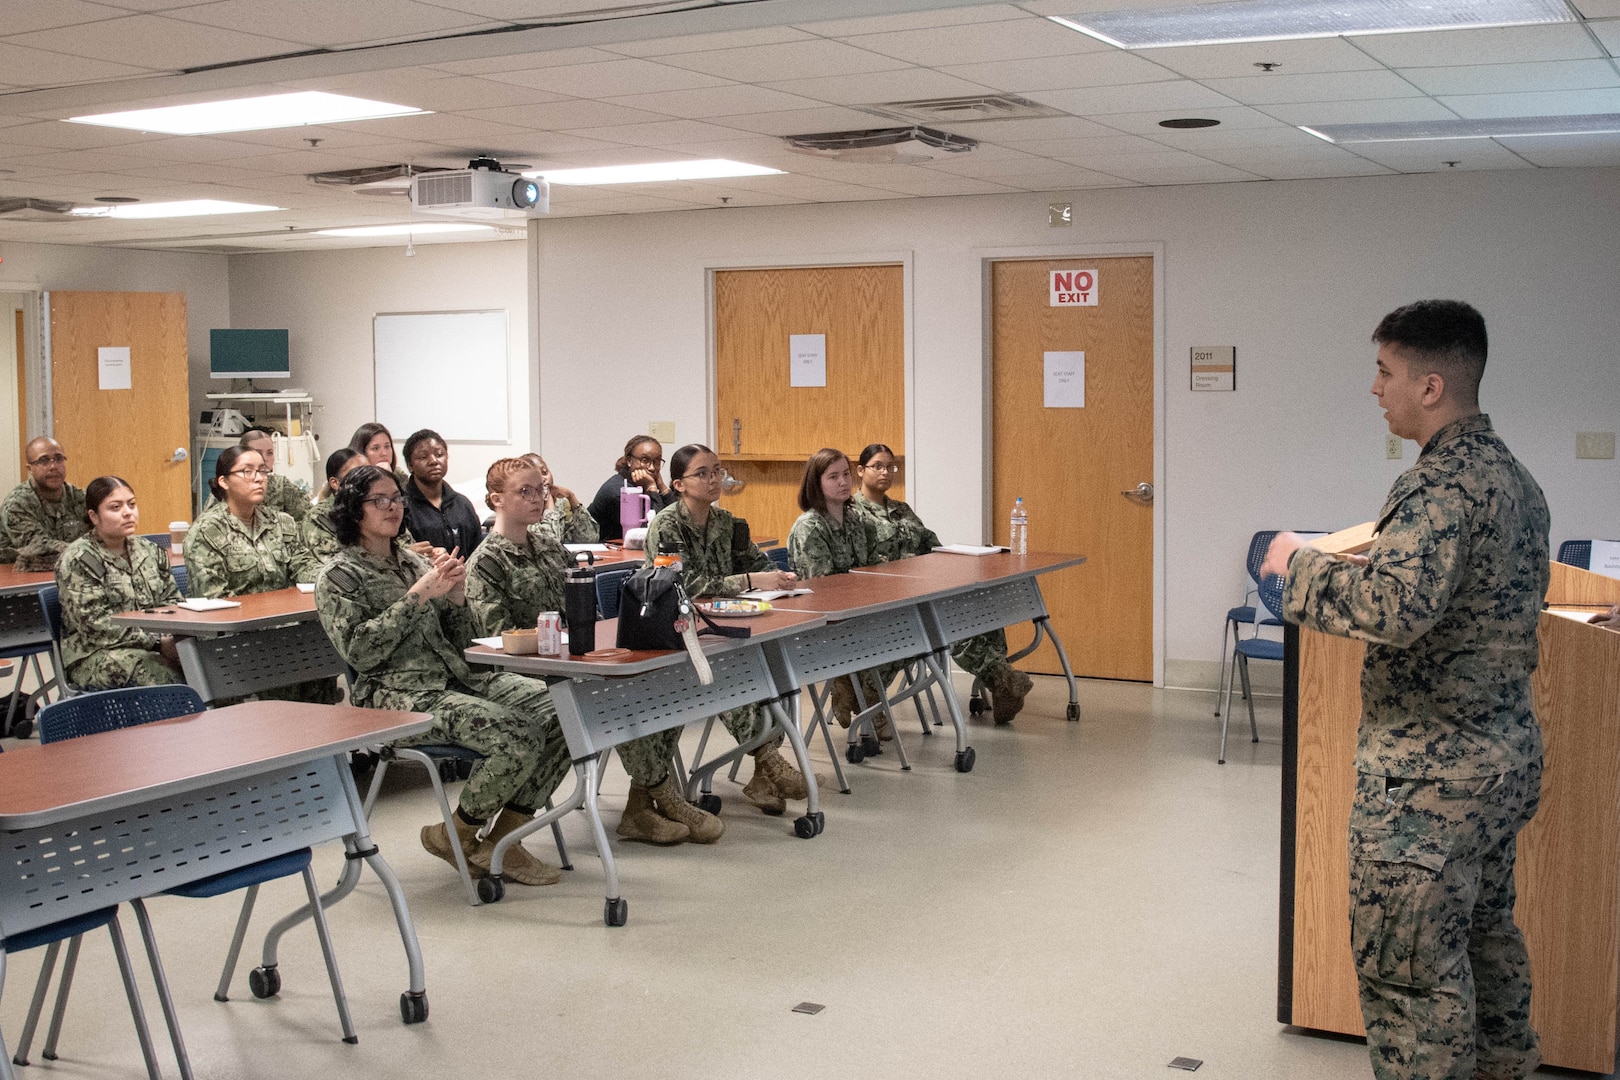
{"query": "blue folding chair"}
[(1576, 553), (72, 931), (1244, 614), (110, 710), (50, 602), (1254, 648), (180, 578), (25, 636), (779, 556), (609, 584)]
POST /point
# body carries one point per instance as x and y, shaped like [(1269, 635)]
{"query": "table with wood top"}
[(122, 815), (273, 639), (604, 703)]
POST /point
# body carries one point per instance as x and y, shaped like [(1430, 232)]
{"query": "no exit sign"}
[(1074, 288)]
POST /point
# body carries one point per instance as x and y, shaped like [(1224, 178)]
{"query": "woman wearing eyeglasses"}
[(719, 559), (516, 573), (641, 466), (107, 571), (566, 518), (900, 535), (402, 621), (239, 546)]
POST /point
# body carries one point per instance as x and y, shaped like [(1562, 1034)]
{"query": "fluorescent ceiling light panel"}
[(187, 208), (426, 228), (1495, 128), (1282, 20), (250, 114), (707, 169)]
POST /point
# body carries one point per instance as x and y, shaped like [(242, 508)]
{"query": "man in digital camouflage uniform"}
[(1449, 751), (43, 514)]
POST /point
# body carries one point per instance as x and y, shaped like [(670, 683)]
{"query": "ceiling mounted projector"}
[(483, 191), (882, 146)]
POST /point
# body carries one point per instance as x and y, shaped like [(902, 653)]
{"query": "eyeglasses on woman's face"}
[(703, 476), (890, 467), (385, 502), (529, 491), (260, 473)]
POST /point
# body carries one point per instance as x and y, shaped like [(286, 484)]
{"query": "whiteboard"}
[(444, 370)]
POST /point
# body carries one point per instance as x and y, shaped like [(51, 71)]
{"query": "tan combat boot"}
[(788, 780), (762, 792), (642, 822), (704, 827), (842, 701), (517, 865), (1008, 688), (436, 839)]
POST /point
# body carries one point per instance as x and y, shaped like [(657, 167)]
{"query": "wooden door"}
[(861, 310), (129, 433), (1071, 465)]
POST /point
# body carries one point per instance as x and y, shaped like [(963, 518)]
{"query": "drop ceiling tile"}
[(431, 89), (1308, 166), (612, 78), (1204, 140), (1567, 151), (663, 133), (566, 115), (726, 39), (39, 67), (182, 149), (1235, 61), (1057, 183), (320, 22), (795, 59), (1389, 110), (1011, 163), (1513, 78), (528, 10), (926, 183), (1079, 150), (527, 61), (734, 100), (443, 128), (25, 15), (804, 121), (1021, 39), (294, 162), (915, 20), (1432, 155), (242, 143), (1608, 32), (1279, 89), (615, 155), (908, 85), (754, 149), (1063, 72), (1019, 132), (159, 42), (63, 136), (1546, 103), (1598, 9), (194, 173), (1503, 45), (1173, 97), (1231, 117)]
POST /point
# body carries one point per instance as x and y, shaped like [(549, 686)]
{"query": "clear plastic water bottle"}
[(1019, 537)]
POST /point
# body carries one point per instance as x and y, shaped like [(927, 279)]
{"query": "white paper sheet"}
[(203, 603), (112, 367), (577, 548), (1065, 380), (807, 354), (968, 549), (1605, 558)]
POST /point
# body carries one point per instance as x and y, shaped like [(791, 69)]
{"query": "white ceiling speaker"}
[(882, 146)]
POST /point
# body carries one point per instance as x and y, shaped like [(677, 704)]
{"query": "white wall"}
[(1295, 274), (327, 300)]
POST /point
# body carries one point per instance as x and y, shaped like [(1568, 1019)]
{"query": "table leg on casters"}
[(492, 887), (1045, 623), (938, 666), (813, 820), (614, 910)]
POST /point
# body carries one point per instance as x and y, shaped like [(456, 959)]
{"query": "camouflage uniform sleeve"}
[(302, 563), (290, 499), (809, 547), (1412, 570), (656, 528), (88, 606), (206, 573), (456, 621), (570, 524), (487, 593), (26, 528), (364, 630)]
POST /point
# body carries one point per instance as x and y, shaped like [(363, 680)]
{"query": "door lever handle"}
[(1142, 493)]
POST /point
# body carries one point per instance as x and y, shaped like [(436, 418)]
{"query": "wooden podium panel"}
[(1568, 872)]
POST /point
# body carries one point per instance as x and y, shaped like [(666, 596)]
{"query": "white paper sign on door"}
[(1074, 288), (112, 367), (1605, 558), (807, 355), (1065, 380)]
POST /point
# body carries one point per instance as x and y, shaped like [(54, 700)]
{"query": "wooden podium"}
[(1568, 872)]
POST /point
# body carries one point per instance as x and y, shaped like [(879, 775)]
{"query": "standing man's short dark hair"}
[(1448, 754)]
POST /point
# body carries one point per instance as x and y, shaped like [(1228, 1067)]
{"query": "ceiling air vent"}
[(973, 109), (881, 146), (28, 208)]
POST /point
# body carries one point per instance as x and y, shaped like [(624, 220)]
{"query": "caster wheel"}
[(854, 754), (265, 982), (965, 759), (709, 803), (491, 889), (871, 746), (22, 729), (820, 820), (615, 911), (413, 1008), (447, 769), (1074, 710), (803, 827), (975, 706)]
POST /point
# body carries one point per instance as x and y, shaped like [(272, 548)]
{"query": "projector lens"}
[(525, 193)]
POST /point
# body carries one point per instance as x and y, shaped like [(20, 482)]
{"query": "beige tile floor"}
[(1093, 900)]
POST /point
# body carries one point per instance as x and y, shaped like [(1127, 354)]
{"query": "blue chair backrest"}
[(779, 556), (1271, 594), (109, 710), (50, 601), (609, 584), (1576, 553), (1258, 543), (181, 580), (161, 539)]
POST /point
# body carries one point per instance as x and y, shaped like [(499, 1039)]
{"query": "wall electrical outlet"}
[(1594, 445), (1393, 447), (662, 430)]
